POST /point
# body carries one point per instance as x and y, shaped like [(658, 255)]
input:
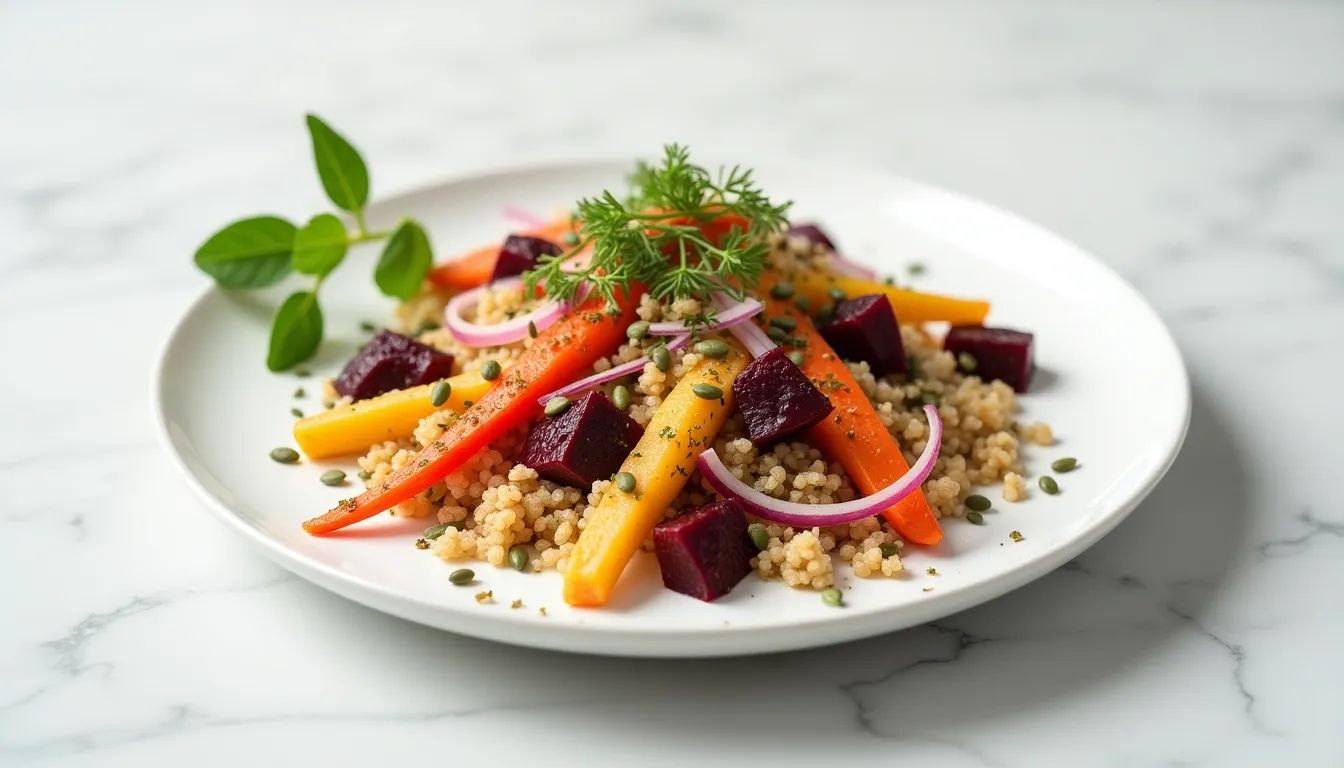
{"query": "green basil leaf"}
[(252, 253), (405, 261), (320, 245), (296, 331), (344, 175)]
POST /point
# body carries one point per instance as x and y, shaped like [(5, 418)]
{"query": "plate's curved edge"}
[(663, 643)]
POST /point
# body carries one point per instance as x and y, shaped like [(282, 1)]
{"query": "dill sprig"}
[(654, 235)]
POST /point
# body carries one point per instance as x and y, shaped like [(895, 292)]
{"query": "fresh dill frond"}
[(655, 235)]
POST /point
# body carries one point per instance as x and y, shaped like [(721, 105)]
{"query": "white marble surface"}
[(1199, 147)]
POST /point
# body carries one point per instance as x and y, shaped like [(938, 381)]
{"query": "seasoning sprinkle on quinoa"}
[(1016, 536)]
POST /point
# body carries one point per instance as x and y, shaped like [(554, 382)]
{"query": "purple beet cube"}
[(812, 234), (391, 361), (865, 328), (994, 353), (587, 442), (704, 552), (520, 253), (776, 399)]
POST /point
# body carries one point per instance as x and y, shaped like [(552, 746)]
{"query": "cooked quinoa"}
[(495, 503)]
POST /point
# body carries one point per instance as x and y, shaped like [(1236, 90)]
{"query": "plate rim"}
[(745, 640)]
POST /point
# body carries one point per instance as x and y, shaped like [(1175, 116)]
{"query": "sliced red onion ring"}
[(624, 369), (495, 335), (814, 515), (729, 313), (524, 217), (753, 338)]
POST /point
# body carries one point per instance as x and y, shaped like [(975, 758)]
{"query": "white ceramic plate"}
[(1110, 381)]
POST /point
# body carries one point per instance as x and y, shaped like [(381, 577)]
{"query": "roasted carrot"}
[(472, 269), (560, 354), (853, 435), (910, 306)]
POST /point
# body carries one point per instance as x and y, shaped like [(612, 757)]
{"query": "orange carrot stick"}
[(560, 354)]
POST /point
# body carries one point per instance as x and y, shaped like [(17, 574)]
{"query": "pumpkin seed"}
[(760, 539), (915, 268), (367, 327), (434, 531), (332, 477), (285, 455), (556, 406), (570, 239), (490, 371), (978, 503), (832, 597), (296, 413), (302, 372), (620, 397), (975, 518), (796, 357), (299, 392), (440, 393), (967, 362), (662, 359), (365, 475), (531, 329), (890, 550), (777, 334), (625, 481), (785, 322), (638, 330), (836, 295), (707, 391), (711, 348), (825, 314), (782, 290), (802, 303), (462, 576), (518, 558), (1067, 464), (1048, 485)]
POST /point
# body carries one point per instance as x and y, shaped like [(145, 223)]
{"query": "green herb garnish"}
[(261, 251)]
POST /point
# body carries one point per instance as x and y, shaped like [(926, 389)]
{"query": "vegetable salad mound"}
[(677, 369)]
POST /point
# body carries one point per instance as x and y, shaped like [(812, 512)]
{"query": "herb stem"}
[(361, 224)]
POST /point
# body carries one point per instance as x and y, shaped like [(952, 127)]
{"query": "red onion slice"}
[(498, 334), (753, 338), (842, 266), (523, 217), (729, 313), (616, 372), (792, 513)]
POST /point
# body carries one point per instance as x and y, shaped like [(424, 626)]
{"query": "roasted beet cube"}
[(992, 353), (391, 361), (812, 234), (587, 442), (520, 253), (704, 552), (865, 328), (776, 399)]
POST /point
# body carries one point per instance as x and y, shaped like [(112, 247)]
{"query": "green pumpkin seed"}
[(795, 341), (285, 455), (1067, 464), (975, 518), (518, 558), (890, 550), (915, 268), (440, 393), (299, 392), (760, 539), (785, 322), (570, 239), (1048, 485), (365, 475), (889, 280), (782, 290), (802, 303), (625, 481), (333, 477), (836, 295), (638, 330), (978, 503), (777, 334), (711, 348), (825, 314), (967, 362), (796, 357), (531, 329), (556, 406), (434, 531), (302, 372), (490, 371), (832, 597), (367, 327), (662, 359), (707, 391), (296, 413), (620, 397), (462, 576)]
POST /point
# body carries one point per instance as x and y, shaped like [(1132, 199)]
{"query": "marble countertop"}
[(1197, 147)]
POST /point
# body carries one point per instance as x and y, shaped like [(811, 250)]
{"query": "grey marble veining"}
[(1197, 147)]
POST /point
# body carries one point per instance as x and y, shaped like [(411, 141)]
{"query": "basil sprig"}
[(261, 251)]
